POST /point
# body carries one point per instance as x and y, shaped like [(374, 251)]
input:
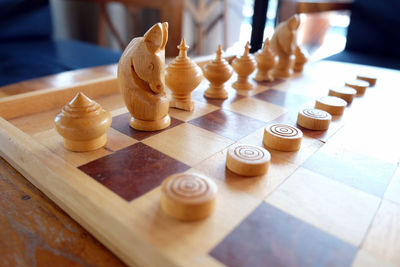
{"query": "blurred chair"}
[(28, 51), (373, 34)]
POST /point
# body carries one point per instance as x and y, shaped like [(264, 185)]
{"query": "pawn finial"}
[(183, 49), (246, 49), (266, 43)]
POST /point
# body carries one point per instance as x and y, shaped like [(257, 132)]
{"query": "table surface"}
[(35, 231)]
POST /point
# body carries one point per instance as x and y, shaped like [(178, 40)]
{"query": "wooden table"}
[(35, 231)]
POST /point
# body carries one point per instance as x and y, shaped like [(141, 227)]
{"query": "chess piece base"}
[(263, 76), (214, 92), (156, 125), (284, 68), (182, 102), (242, 84), (82, 146)]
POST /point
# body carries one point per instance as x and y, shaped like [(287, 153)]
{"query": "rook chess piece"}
[(266, 60), (141, 80), (300, 60), (187, 196), (314, 119), (83, 124), (248, 160), (217, 72), (283, 44), (182, 77), (282, 137), (244, 66)]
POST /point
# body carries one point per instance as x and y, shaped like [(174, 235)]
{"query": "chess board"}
[(335, 202)]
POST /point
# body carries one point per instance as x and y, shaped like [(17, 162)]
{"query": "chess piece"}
[(283, 44), (141, 80), (83, 124), (369, 79), (314, 119), (182, 77), (217, 72), (344, 92), (359, 85), (248, 160), (331, 104), (187, 196), (244, 66), (300, 60), (282, 137), (266, 60)]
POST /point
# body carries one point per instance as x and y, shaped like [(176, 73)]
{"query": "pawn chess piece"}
[(188, 197), (300, 60), (266, 60), (282, 137), (83, 124), (182, 77), (244, 66), (248, 160), (217, 72), (141, 80), (283, 44)]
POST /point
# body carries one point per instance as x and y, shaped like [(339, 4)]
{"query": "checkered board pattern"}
[(324, 205)]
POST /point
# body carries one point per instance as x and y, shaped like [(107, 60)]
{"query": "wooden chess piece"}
[(244, 66), (248, 160), (217, 72), (83, 124), (370, 79), (266, 60), (283, 44), (182, 77), (282, 137), (360, 86), (314, 119), (300, 60), (187, 196), (141, 80), (346, 93), (331, 104)]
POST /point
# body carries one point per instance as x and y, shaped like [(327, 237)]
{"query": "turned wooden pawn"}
[(83, 124), (244, 66), (182, 77), (266, 60), (300, 60), (217, 72)]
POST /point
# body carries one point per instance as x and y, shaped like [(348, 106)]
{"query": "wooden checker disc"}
[(359, 85), (188, 197), (369, 79), (331, 104), (248, 160), (314, 119), (344, 92), (282, 137)]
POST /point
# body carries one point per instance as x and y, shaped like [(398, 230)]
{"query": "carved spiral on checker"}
[(284, 130), (315, 113), (188, 186), (249, 153)]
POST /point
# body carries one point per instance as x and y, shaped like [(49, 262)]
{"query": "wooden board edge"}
[(49, 173), (33, 102)]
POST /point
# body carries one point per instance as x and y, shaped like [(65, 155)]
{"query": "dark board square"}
[(359, 171), (288, 100), (133, 171), (270, 237), (121, 124), (228, 124)]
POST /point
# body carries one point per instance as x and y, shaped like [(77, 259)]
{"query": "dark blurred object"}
[(28, 51), (373, 35)]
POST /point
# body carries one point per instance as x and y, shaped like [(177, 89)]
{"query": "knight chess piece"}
[(244, 66), (83, 124), (266, 61), (217, 72), (141, 72), (182, 77), (283, 44), (188, 197), (300, 60)]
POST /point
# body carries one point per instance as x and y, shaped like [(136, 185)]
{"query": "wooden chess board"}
[(334, 202)]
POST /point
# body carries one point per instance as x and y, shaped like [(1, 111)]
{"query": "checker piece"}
[(314, 119), (331, 104), (248, 160), (282, 137)]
